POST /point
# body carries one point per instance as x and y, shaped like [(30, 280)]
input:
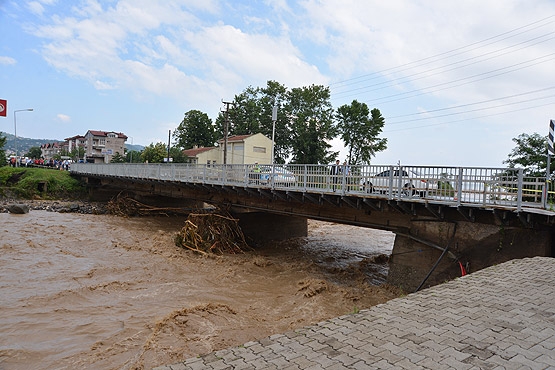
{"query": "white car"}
[(281, 176), (410, 183)]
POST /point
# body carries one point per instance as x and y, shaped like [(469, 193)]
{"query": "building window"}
[(259, 149), (238, 147)]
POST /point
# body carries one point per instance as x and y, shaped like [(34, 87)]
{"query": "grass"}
[(43, 183)]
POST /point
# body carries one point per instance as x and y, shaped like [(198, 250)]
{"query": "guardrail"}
[(487, 187)]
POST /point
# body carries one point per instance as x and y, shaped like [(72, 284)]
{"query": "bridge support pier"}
[(260, 227), (470, 246)]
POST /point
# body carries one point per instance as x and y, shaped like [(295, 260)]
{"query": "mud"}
[(105, 292)]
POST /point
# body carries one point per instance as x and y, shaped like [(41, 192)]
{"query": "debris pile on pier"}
[(211, 233)]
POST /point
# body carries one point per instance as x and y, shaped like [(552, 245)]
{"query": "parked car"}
[(410, 182), (281, 176)]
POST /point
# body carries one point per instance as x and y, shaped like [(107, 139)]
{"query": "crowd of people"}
[(60, 164), (338, 173)]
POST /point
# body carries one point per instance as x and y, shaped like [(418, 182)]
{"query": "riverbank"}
[(63, 206)]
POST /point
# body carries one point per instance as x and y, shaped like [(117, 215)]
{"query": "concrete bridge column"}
[(420, 251), (262, 227)]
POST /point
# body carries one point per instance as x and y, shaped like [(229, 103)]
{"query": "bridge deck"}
[(495, 188), (500, 317)]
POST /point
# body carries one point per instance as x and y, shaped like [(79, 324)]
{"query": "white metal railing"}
[(487, 187)]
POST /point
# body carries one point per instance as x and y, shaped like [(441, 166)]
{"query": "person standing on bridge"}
[(256, 171), (335, 173), (347, 172)]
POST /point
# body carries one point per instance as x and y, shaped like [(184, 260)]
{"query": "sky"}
[(456, 81)]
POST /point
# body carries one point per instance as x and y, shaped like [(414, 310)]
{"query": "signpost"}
[(3, 108)]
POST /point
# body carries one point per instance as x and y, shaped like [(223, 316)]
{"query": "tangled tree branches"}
[(211, 233), (124, 205)]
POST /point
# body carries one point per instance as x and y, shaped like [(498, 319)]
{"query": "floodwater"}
[(105, 292)]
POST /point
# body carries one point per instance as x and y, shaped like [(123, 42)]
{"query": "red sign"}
[(3, 108)]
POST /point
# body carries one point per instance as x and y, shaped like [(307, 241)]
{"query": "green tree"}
[(133, 156), (252, 113), (310, 116), (196, 129), (245, 115), (177, 155), (530, 153), (118, 158), (77, 153), (359, 132), (3, 159), (34, 152), (155, 153)]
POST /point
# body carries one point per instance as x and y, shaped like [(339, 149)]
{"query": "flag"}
[(550, 137), (3, 108)]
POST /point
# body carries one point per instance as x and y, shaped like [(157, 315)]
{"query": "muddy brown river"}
[(106, 292)]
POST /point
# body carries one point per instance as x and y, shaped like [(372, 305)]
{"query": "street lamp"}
[(15, 131), (131, 151)]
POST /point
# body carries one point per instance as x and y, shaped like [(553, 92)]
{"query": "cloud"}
[(35, 7), (402, 57), (164, 49), (7, 60), (63, 118)]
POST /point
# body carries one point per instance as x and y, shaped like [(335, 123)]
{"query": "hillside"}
[(24, 143)]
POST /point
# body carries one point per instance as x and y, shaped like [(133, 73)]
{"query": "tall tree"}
[(155, 153), (530, 153), (359, 132), (310, 116), (118, 158), (252, 113), (196, 129), (133, 156), (245, 116), (34, 152), (177, 155), (274, 94)]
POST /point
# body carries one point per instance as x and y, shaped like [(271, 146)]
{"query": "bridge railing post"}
[(519, 190), (459, 186), (390, 194)]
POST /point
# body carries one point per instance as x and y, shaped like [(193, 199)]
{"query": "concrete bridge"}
[(447, 220)]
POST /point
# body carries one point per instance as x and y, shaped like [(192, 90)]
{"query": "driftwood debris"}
[(123, 205), (206, 233)]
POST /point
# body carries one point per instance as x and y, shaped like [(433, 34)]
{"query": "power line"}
[(472, 110), (471, 104), (440, 69), (431, 89), (400, 67), (466, 119)]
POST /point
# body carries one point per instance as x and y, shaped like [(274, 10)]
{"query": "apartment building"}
[(101, 146)]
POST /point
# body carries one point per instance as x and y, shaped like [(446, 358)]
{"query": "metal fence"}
[(488, 187)]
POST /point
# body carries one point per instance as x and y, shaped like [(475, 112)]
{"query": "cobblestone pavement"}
[(502, 317)]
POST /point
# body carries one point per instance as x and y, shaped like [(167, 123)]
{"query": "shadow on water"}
[(342, 252)]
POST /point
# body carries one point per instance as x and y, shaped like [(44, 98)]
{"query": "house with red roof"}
[(241, 149)]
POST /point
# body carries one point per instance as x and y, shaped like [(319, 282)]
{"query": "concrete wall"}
[(475, 245), (261, 227)]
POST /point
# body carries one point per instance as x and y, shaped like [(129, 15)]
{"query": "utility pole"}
[(274, 119), (169, 135), (226, 127)]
